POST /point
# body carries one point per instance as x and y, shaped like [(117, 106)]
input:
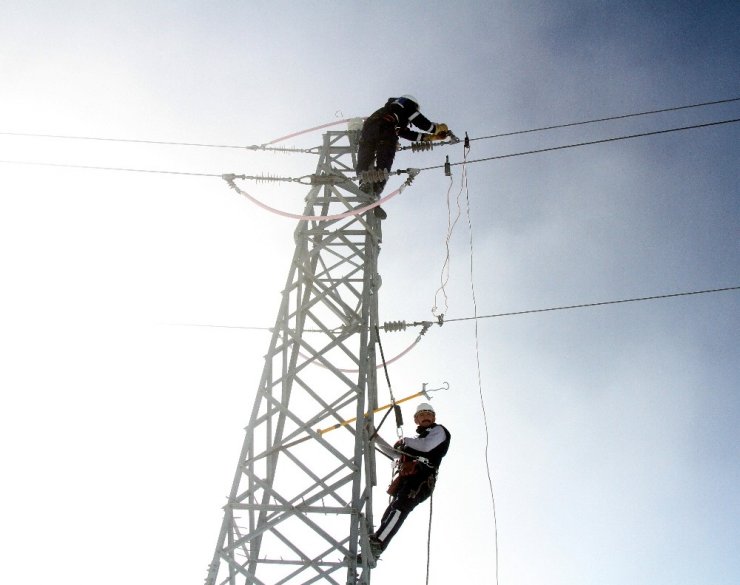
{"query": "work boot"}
[(376, 547), (367, 187), (371, 561)]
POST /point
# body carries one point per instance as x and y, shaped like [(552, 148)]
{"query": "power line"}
[(596, 120), (236, 146), (589, 143), (527, 311), (98, 168), (126, 140), (597, 304), (497, 157)]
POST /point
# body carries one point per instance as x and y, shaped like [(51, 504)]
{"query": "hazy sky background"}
[(613, 430)]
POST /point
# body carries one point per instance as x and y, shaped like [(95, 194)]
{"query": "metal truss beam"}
[(300, 506)]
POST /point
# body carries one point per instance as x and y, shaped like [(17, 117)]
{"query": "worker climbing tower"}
[(300, 506)]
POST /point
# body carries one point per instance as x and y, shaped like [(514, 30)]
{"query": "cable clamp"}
[(230, 178), (412, 173), (322, 180)]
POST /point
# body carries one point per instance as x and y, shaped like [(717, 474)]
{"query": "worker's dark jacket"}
[(401, 112), (431, 443), (410, 489), (379, 138)]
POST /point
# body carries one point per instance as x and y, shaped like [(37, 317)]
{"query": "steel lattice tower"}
[(300, 506)]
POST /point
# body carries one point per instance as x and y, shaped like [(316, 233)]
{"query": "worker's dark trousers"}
[(412, 492), (378, 142)]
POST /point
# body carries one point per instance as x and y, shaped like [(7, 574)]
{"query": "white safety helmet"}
[(413, 99), (424, 406)]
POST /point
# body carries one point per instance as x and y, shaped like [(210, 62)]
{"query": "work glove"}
[(435, 136), (441, 127)]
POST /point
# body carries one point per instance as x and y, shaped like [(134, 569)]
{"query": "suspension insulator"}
[(421, 146), (389, 326), (267, 178)]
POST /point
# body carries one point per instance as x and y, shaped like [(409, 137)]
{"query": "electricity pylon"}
[(300, 506)]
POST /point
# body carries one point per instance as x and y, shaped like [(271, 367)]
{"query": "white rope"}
[(477, 362), (444, 276)]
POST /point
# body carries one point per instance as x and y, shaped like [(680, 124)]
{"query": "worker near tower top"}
[(420, 458), (379, 138)]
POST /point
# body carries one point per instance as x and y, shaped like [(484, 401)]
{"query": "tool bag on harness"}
[(405, 466)]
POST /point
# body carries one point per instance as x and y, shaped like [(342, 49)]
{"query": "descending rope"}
[(477, 361), (429, 534), (444, 275)]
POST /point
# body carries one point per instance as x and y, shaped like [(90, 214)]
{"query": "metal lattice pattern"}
[(300, 506)]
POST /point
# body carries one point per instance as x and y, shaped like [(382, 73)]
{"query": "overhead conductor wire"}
[(596, 304), (376, 203), (237, 146), (528, 311), (588, 143), (608, 119)]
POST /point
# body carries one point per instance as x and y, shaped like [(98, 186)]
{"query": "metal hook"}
[(425, 390)]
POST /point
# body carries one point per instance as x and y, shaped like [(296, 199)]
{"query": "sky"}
[(127, 366)]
